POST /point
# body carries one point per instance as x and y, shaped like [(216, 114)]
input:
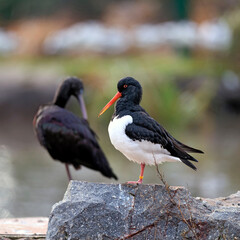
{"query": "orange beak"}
[(112, 101)]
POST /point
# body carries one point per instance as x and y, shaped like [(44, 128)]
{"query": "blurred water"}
[(31, 182)]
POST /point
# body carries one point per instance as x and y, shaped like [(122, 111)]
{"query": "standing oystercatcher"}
[(138, 136), (66, 137)]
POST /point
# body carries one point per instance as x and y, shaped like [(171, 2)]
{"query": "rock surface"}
[(125, 211)]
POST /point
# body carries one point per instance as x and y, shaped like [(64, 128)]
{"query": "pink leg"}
[(141, 175), (68, 172)]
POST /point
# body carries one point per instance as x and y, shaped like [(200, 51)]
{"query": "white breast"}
[(137, 151)]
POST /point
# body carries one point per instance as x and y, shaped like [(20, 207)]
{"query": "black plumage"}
[(66, 137), (145, 127), (135, 125)]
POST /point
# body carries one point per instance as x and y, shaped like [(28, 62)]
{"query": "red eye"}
[(125, 85)]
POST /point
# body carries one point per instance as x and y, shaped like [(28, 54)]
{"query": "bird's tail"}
[(188, 163), (180, 150), (104, 166), (189, 149)]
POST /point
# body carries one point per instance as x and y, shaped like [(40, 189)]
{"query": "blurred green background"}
[(184, 53)]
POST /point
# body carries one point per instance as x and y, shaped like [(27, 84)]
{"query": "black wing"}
[(69, 139), (146, 128)]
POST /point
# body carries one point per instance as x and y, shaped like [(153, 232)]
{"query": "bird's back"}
[(146, 128)]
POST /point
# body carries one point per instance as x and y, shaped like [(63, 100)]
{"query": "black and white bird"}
[(68, 138), (138, 136)]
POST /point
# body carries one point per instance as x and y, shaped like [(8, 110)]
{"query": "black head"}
[(130, 89), (129, 92), (72, 86)]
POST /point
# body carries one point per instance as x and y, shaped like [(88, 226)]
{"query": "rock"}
[(125, 211)]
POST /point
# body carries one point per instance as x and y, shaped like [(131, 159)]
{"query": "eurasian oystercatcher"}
[(66, 137), (138, 136)]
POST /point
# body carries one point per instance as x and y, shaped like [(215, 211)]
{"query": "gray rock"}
[(125, 211)]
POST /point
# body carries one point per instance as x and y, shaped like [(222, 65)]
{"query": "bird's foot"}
[(136, 182), (140, 180)]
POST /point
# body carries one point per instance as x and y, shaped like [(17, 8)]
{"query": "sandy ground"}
[(27, 227)]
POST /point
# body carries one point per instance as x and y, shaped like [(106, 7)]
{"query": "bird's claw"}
[(135, 182)]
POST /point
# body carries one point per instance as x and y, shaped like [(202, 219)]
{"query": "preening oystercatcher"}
[(138, 136), (66, 137)]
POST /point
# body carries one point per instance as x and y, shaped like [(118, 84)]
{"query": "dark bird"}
[(138, 136), (66, 137)]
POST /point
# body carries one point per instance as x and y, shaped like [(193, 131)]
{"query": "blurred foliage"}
[(177, 90), (167, 92), (17, 9), (233, 19), (181, 8), (11, 10)]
